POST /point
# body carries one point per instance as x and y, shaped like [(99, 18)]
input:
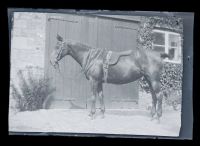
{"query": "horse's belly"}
[(124, 72)]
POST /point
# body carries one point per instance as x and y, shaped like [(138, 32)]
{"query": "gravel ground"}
[(135, 122), (131, 122)]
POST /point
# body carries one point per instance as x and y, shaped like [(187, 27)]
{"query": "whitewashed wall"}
[(27, 43)]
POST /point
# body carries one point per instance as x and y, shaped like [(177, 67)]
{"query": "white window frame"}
[(166, 46)]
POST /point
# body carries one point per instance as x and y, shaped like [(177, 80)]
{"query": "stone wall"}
[(27, 43)]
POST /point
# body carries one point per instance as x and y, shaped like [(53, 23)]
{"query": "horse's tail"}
[(164, 55)]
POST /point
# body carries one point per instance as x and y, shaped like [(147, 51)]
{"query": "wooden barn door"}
[(72, 88), (118, 36)]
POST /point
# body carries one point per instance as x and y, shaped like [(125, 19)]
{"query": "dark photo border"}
[(190, 97)]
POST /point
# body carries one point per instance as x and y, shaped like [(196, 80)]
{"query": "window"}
[(168, 42)]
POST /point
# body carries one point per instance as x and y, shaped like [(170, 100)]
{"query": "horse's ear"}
[(59, 38)]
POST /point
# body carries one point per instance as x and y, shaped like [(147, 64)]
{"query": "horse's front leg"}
[(101, 98), (94, 87), (102, 105)]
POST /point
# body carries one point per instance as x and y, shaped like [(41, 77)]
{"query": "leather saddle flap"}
[(116, 55)]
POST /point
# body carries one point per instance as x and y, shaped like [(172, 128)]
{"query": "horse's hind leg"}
[(159, 108), (154, 98), (156, 88)]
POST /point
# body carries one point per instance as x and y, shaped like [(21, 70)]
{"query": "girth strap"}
[(106, 66)]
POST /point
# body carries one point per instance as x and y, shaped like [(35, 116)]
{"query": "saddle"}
[(112, 58), (116, 55)]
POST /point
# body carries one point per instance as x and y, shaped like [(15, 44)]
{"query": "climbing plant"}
[(144, 37), (171, 75)]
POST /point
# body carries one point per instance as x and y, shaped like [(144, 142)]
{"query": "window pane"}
[(159, 49), (174, 54), (171, 53), (173, 40), (159, 38)]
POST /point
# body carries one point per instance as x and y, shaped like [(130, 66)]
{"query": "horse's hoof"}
[(92, 116)]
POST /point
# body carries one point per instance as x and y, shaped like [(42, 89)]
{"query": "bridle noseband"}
[(61, 46)]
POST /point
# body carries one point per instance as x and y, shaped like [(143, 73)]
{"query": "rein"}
[(57, 59)]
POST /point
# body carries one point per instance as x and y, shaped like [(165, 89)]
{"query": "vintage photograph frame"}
[(187, 80)]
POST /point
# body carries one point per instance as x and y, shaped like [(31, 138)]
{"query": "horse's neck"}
[(78, 52)]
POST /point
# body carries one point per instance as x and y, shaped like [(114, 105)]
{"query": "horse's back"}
[(124, 71)]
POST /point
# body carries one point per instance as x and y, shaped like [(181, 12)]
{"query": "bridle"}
[(58, 56), (60, 51)]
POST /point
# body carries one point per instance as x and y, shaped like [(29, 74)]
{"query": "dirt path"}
[(135, 122)]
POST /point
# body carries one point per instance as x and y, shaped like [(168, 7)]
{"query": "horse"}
[(123, 67)]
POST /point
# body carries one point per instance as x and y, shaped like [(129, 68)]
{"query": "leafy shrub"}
[(171, 75), (173, 98), (170, 78), (32, 92)]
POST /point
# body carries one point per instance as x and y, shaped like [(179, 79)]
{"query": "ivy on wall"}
[(171, 75), (147, 25)]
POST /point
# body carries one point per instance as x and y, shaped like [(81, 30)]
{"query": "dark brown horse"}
[(124, 67)]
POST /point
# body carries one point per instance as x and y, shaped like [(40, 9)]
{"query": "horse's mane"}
[(83, 45)]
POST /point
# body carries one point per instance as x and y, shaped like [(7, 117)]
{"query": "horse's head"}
[(59, 51)]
